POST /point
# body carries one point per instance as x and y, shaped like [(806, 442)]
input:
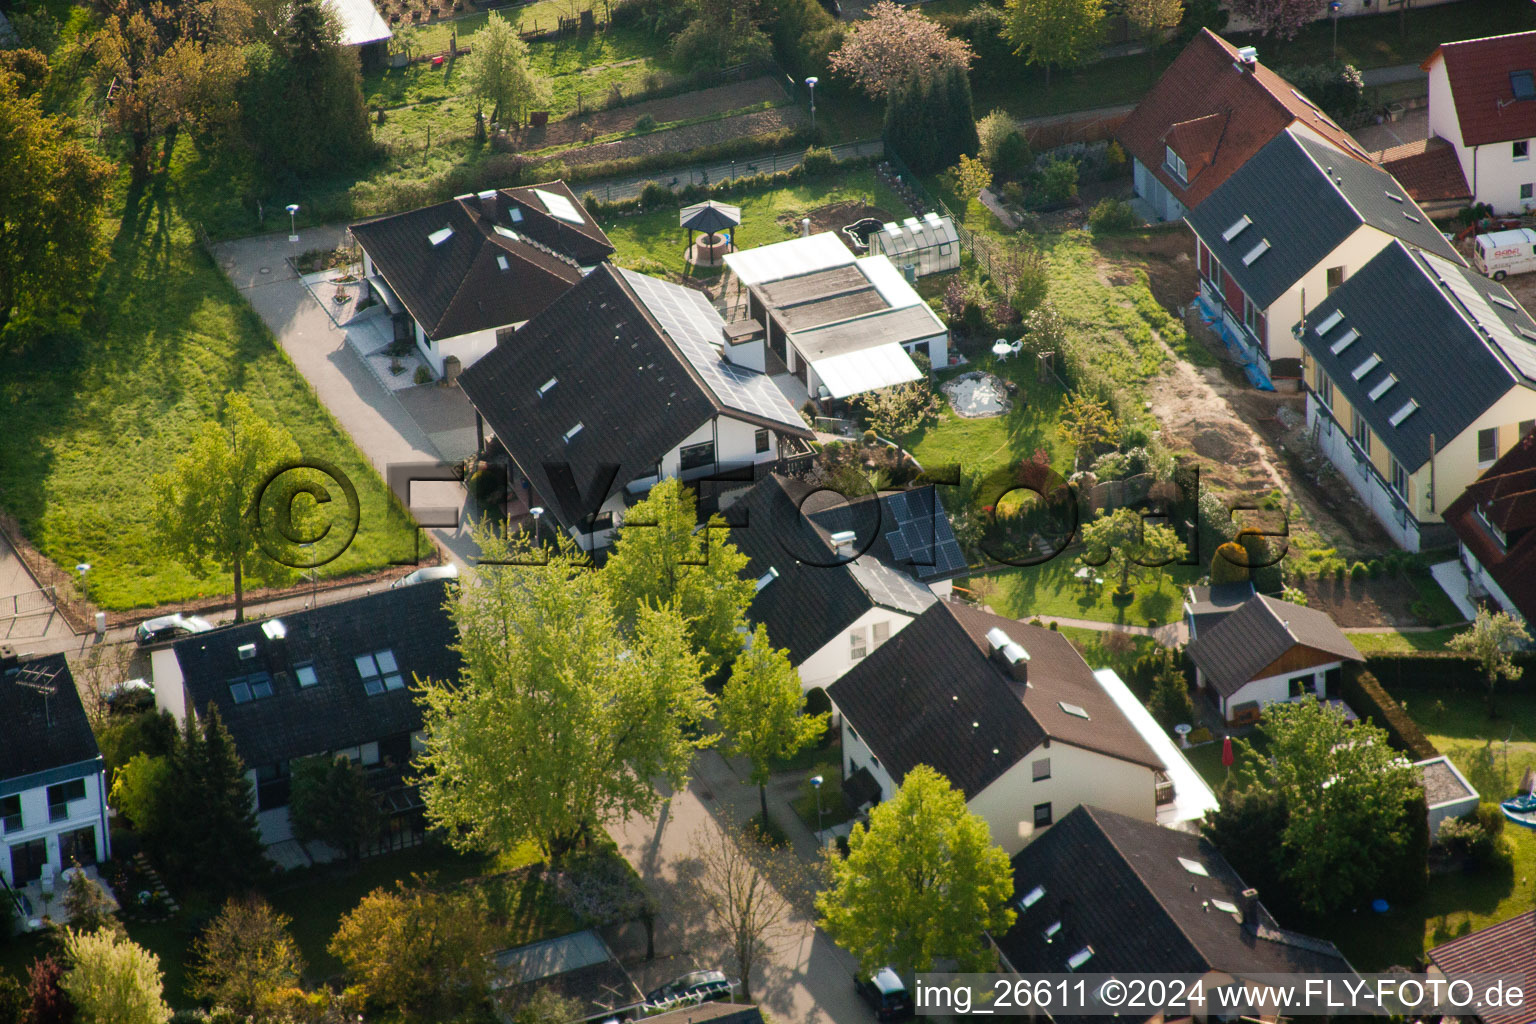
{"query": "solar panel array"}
[(694, 327), (920, 534), (1515, 348), (559, 207), (890, 587)]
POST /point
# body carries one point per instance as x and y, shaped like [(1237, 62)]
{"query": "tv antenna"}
[(40, 679)]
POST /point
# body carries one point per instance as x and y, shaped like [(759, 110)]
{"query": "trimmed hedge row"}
[(750, 145), (1442, 671), (1371, 701)]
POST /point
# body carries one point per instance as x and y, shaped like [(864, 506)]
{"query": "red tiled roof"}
[(1478, 71), (1204, 107), (1508, 947), (1507, 490), (1428, 169)]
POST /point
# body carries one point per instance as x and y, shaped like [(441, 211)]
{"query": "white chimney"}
[(1247, 56), (805, 227), (842, 542)]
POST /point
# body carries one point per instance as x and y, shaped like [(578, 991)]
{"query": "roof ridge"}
[(1327, 172)]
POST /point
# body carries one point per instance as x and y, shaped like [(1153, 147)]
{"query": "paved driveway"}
[(380, 422)]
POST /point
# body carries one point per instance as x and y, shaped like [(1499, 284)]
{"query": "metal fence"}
[(911, 188)]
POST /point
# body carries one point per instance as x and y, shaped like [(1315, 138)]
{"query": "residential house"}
[(1210, 111), (458, 275), (579, 968), (1015, 719), (1108, 893), (621, 382), (53, 790), (839, 325), (1267, 650), (1264, 266), (1482, 100), (1420, 373), (330, 681), (1446, 791), (1507, 948), (360, 26), (1492, 520), (1430, 171), (1346, 9), (837, 579), (1204, 606)]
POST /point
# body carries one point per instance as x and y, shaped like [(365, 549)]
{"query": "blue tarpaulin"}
[(1250, 362)]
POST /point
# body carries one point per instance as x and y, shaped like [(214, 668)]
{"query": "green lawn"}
[(984, 444), (1051, 589), (1428, 640), (92, 415), (653, 243), (834, 808)]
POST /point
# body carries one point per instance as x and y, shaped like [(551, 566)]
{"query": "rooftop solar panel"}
[(1475, 305)]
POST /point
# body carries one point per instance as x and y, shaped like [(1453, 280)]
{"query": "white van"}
[(1500, 253)]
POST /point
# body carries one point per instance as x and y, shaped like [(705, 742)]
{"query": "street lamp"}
[(1333, 10), (293, 228), (816, 781), (810, 83), (536, 512)]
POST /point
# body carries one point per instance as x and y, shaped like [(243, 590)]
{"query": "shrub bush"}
[(654, 193), (1333, 85), (1358, 571), (1058, 181), (645, 123), (423, 375), (818, 160), (1111, 215)]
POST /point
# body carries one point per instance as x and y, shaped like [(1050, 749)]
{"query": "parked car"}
[(886, 994), (170, 627), (431, 572), (697, 986), (1500, 253), (130, 694)]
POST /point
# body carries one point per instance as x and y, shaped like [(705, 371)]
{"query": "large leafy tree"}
[(333, 803), (1279, 18), (562, 717), (893, 42), (113, 980), (208, 499), (1130, 545), (1056, 33), (497, 70), (922, 882), (661, 558), (1491, 639), (46, 1000), (246, 958), (762, 711), (418, 952), (52, 193), (1152, 17)]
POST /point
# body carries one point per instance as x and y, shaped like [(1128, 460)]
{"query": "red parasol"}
[(1226, 752)]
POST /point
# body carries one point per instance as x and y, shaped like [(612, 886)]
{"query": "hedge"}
[(1371, 701), (1442, 671)]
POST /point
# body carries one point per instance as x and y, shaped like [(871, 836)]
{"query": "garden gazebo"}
[(714, 219)]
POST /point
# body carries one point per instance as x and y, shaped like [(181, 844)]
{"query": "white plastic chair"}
[(46, 881)]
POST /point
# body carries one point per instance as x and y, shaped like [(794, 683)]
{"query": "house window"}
[(761, 441), (1526, 426), (882, 632), (1362, 433), (857, 648), (1042, 815), (379, 672), (59, 797), (1498, 534), (10, 813), (1487, 445), (1174, 164), (1251, 315), (1041, 769), (244, 689), (1335, 278), (602, 521), (306, 674), (1520, 150), (1526, 189), (1325, 389), (1399, 479), (696, 456)]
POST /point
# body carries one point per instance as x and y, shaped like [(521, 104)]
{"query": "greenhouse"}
[(919, 246)]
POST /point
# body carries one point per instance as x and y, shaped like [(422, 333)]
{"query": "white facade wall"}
[(827, 665), (1492, 170), (1286, 311), (856, 755), (87, 812), (170, 688), (468, 347), (1481, 581), (1273, 689), (1155, 194)]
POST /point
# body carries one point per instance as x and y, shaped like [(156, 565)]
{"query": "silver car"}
[(170, 627)]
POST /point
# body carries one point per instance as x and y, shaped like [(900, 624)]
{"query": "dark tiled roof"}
[(1507, 493), (37, 733), (931, 695), (506, 259), (1236, 649), (1428, 169), (636, 393), (1117, 884), (915, 533), (1216, 117), (1338, 195), (336, 712), (1478, 71), (1425, 336), (719, 1013), (1209, 605), (1508, 947)]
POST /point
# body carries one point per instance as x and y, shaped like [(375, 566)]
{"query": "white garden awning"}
[(852, 373)]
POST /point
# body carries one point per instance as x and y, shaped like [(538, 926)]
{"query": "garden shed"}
[(1446, 791), (929, 245)]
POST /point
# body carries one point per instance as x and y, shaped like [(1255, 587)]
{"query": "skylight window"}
[(559, 207), (1072, 709), (572, 433), (1502, 301), (1194, 867), (547, 385), (1403, 413), (1383, 387), (1371, 362), (274, 629), (1050, 933), (1394, 197), (1409, 216), (440, 236), (1256, 252), (1301, 96), (515, 215), (244, 689), (1224, 906), (379, 672), (1032, 897), (489, 193), (1329, 322), (767, 577), (1344, 341), (306, 675), (501, 261), (1079, 958), (1236, 229)]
